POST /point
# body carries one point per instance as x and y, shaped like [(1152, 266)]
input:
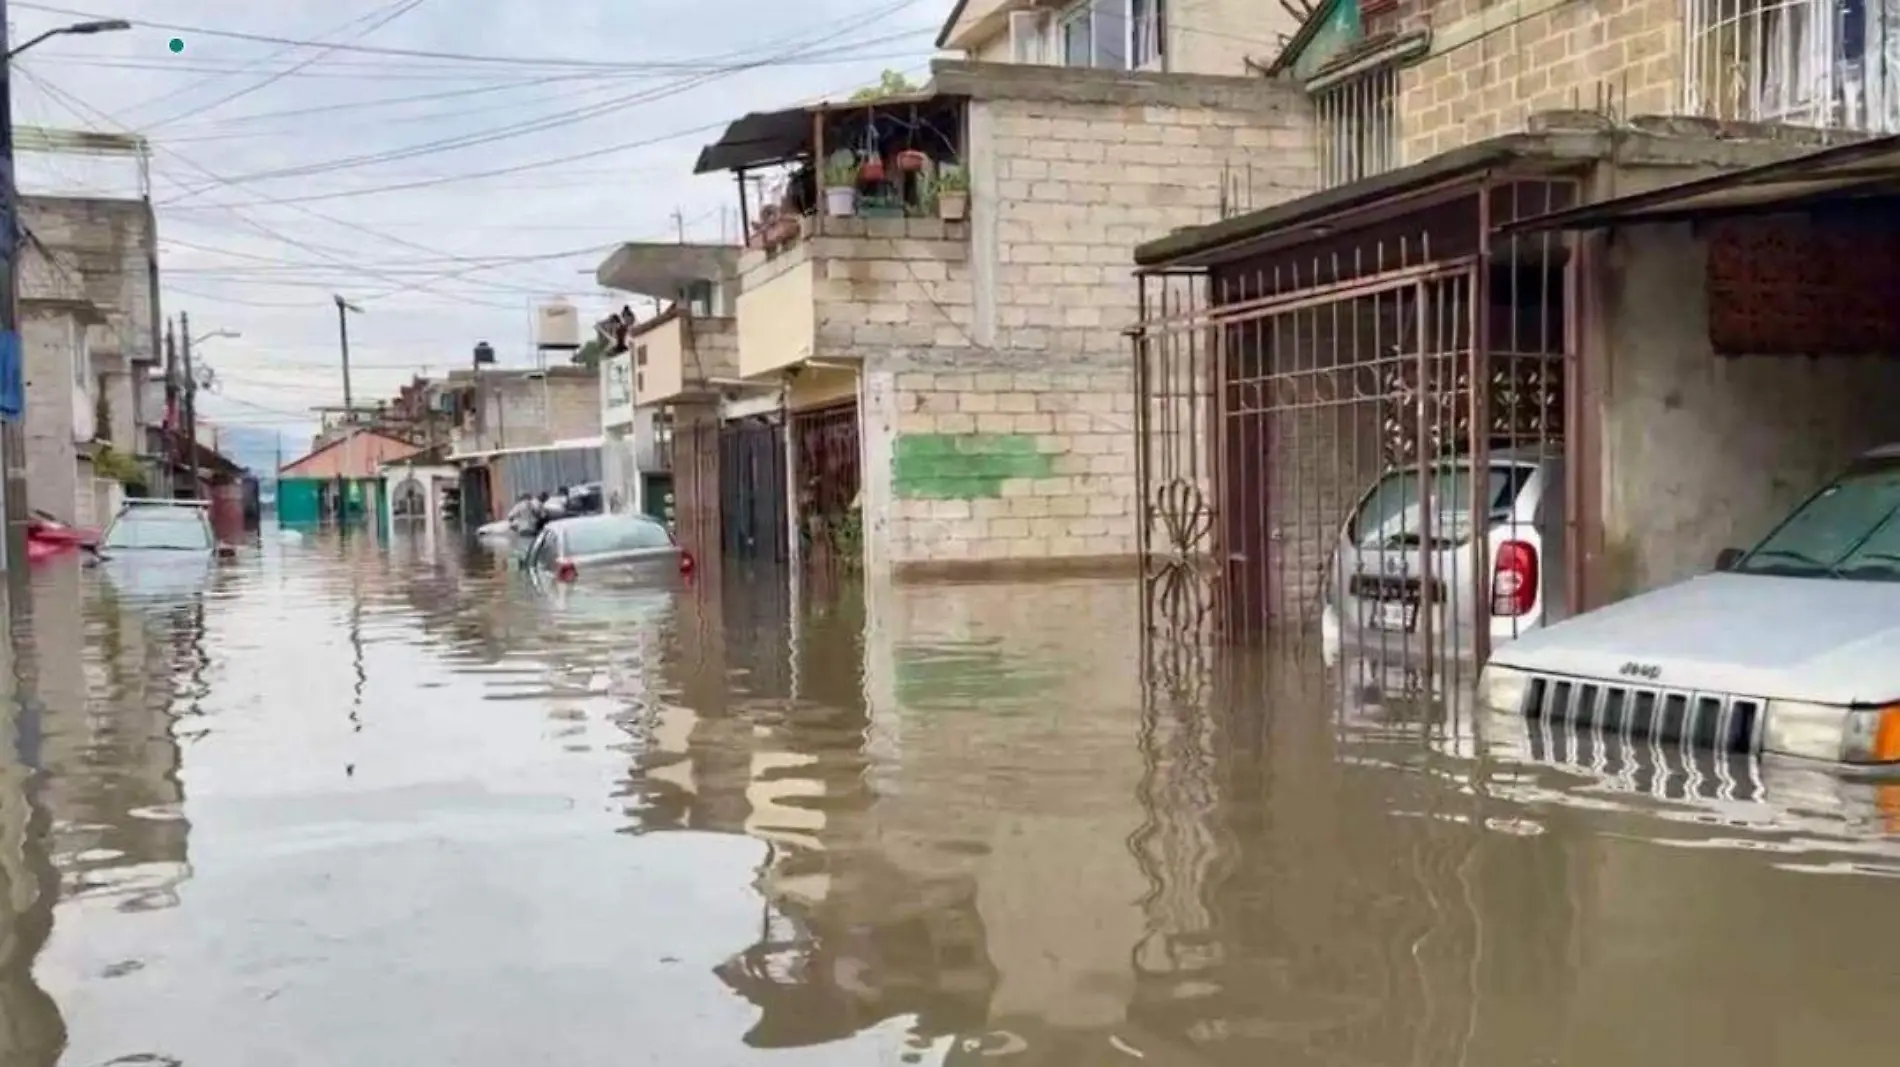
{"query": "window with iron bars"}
[(1824, 63), (1358, 126)]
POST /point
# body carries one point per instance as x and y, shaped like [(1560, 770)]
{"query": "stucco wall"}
[(1703, 452), (109, 242)]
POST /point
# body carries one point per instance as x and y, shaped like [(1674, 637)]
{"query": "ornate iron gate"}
[(825, 444), (752, 489), (1333, 438)]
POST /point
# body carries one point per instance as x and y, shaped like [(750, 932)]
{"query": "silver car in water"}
[(1376, 603), (567, 548)]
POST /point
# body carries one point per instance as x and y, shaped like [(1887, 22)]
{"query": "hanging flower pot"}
[(911, 160), (873, 169)]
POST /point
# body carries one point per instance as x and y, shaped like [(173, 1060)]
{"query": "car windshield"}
[(1851, 529), (176, 529), (1391, 515), (611, 533)]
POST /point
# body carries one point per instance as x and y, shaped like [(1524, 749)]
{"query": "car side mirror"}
[(1726, 559)]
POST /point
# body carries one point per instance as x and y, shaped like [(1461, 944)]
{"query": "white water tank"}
[(557, 325)]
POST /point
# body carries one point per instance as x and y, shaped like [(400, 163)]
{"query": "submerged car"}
[(1385, 555), (1790, 648), (159, 547), (566, 547)]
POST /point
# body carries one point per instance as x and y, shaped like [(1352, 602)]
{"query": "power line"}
[(386, 15), (562, 62), (537, 125)]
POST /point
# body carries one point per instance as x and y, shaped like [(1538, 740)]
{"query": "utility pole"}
[(174, 418), (191, 406), (679, 224), (343, 309)]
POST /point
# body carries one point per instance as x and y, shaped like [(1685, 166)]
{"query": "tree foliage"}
[(890, 83)]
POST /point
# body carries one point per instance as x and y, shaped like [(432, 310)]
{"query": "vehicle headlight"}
[(1503, 688), (1832, 733), (1871, 735)]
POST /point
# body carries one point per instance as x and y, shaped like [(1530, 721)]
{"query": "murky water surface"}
[(357, 805)]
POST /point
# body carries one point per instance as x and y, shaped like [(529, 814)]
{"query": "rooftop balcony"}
[(859, 246)]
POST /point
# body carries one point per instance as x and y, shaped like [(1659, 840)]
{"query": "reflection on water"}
[(361, 803)]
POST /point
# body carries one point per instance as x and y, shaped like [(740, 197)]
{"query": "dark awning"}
[(1315, 213), (1843, 173), (767, 137), (757, 140)]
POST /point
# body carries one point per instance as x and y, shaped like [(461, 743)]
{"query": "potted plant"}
[(911, 160), (841, 184), (872, 171), (953, 193)]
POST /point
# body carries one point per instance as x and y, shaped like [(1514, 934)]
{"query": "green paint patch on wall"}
[(964, 466)]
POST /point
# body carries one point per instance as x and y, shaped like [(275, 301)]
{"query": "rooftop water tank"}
[(557, 325)]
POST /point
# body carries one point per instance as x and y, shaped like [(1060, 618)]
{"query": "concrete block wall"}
[(1071, 169), (1487, 73), (533, 412), (885, 282), (988, 459)]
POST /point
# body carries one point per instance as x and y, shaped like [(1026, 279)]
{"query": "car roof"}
[(620, 516)]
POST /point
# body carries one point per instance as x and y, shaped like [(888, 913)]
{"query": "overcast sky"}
[(246, 248)]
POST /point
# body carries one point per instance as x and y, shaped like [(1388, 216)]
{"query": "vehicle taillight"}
[(687, 563), (1514, 580), (565, 571)]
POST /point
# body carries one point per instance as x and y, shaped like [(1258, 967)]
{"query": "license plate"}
[(1394, 615)]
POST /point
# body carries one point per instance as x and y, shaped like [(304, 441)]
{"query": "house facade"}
[(949, 352), (1605, 241), (664, 384)]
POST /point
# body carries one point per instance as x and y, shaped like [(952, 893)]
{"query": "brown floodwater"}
[(344, 803)]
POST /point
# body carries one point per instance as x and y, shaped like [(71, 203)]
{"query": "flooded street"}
[(356, 804)]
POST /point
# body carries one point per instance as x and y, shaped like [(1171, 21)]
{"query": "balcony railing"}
[(1832, 64)]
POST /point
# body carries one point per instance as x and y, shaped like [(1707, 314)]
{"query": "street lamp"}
[(77, 29), (214, 335)]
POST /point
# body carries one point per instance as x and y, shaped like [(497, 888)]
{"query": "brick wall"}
[(883, 282), (1070, 169), (1010, 436), (991, 458), (1486, 74)]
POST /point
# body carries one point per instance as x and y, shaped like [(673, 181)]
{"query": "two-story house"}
[(668, 389), (1586, 235), (936, 284)]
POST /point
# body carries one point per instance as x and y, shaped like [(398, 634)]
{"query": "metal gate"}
[(825, 444), (1336, 439), (752, 489)]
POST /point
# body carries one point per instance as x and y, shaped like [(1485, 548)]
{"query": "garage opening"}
[(1355, 437)]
